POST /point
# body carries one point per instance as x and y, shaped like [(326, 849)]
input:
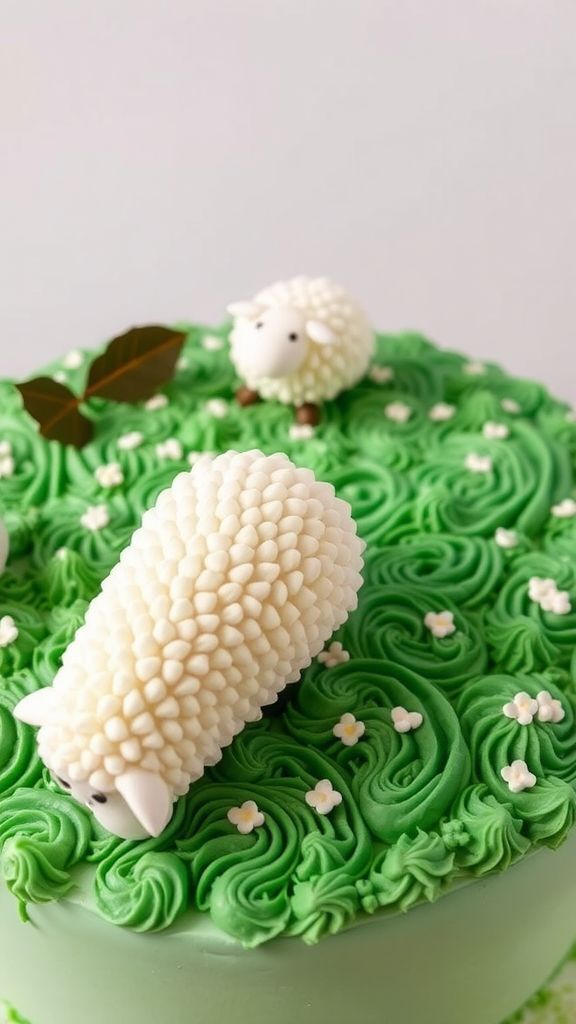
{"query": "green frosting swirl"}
[(421, 809)]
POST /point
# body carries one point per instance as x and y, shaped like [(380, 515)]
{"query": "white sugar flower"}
[(212, 343), (181, 363), (300, 431), (217, 408), (510, 405), (441, 412), (247, 817), (60, 377), (565, 509), (323, 798), (495, 431), (475, 368), (441, 624), (381, 374), (506, 538), (557, 601), (7, 464), (405, 721), (518, 776), (170, 449), (61, 554), (156, 402), (545, 593), (8, 630), (110, 475), (333, 655), (539, 588), (522, 708), (349, 730), (74, 359), (398, 412), (478, 463), (131, 440), (549, 709), (95, 518)]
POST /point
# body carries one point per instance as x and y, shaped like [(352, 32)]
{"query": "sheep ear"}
[(35, 708), (148, 797), (320, 333), (248, 309)]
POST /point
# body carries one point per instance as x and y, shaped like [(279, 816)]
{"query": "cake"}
[(393, 842)]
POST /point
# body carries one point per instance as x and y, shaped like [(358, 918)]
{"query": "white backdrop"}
[(162, 157)]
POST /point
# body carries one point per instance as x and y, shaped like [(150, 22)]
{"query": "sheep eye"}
[(99, 798), (260, 323), (293, 336), (63, 783)]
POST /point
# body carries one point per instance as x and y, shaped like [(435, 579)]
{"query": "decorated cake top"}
[(431, 740)]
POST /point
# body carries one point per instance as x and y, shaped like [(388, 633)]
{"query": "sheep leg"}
[(308, 413), (245, 396)]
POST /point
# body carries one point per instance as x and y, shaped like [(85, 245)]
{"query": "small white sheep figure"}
[(4, 546), (300, 342), (235, 580)]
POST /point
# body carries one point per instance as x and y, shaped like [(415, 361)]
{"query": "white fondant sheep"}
[(300, 342), (234, 582), (4, 546)]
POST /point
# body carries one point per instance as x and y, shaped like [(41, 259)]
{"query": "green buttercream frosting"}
[(421, 810)]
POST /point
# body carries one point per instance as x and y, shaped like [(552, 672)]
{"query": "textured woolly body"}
[(326, 369), (233, 583)]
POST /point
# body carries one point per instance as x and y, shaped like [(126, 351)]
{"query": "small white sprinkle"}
[(212, 343), (506, 538), (300, 431), (440, 624), (182, 363), (5, 449), (60, 377), (156, 402), (110, 475), (170, 449), (74, 359), (217, 407), (441, 411), (405, 721), (381, 374), (549, 710), (8, 630), (131, 440), (399, 412), (475, 368), (495, 431), (95, 518), (62, 554), (478, 463), (565, 509), (510, 405)]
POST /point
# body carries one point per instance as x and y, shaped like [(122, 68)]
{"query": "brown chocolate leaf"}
[(57, 412), (135, 364)]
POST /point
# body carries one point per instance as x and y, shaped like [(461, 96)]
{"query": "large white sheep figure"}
[(234, 582), (300, 342)]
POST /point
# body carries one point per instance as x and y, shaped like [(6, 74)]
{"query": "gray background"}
[(163, 157)]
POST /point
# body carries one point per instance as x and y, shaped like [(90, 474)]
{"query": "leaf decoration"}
[(132, 368), (55, 408), (135, 364)]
